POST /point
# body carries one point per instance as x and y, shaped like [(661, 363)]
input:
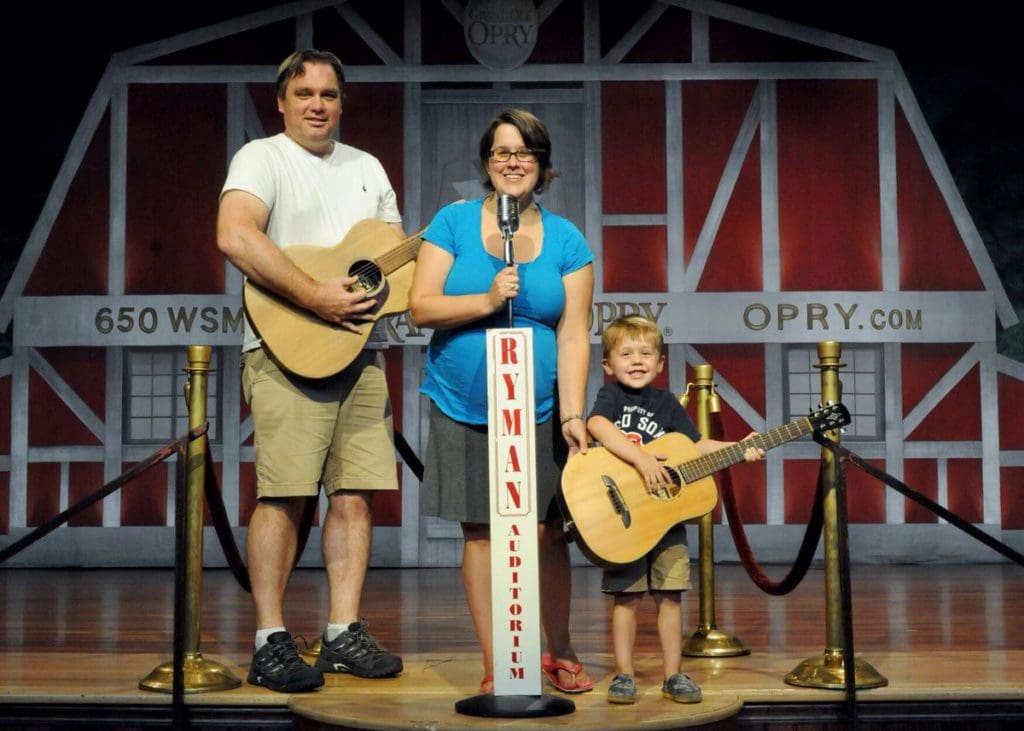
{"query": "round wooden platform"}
[(593, 712)]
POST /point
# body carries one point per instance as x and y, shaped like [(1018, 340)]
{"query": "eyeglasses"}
[(525, 154)]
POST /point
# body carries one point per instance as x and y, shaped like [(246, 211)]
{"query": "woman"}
[(461, 288)]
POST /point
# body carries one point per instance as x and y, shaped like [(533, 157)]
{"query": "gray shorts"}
[(456, 472), (335, 431), (665, 568)]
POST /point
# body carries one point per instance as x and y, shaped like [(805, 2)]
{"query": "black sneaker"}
[(355, 651), (277, 666)]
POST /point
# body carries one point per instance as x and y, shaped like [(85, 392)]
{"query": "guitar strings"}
[(368, 269)]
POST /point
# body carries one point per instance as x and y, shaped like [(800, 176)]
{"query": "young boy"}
[(633, 355)]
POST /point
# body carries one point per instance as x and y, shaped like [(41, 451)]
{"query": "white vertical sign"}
[(515, 576)]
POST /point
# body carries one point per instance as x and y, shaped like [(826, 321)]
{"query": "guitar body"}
[(609, 512), (300, 341)]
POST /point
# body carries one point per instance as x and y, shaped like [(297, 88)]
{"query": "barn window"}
[(861, 383), (155, 406)]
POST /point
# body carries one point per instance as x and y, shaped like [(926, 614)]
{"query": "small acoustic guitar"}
[(615, 520), (306, 345)]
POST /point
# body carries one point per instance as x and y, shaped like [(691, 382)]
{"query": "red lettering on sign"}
[(512, 492), (508, 355), (511, 422), (512, 461), (510, 385)]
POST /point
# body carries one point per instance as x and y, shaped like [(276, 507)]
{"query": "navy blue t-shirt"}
[(643, 414)]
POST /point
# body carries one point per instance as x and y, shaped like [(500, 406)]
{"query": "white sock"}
[(333, 630), (263, 634)]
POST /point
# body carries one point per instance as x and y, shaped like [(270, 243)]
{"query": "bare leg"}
[(670, 629), (624, 631), (271, 545), (346, 549), (556, 596), (476, 581)]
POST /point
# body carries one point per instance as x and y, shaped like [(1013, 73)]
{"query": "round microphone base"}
[(514, 706)]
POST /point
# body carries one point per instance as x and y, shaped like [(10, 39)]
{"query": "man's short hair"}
[(295, 65)]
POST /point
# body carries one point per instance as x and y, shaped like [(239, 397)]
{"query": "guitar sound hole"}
[(368, 273), (669, 492)]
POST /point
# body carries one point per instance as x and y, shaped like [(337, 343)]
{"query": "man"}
[(303, 187)]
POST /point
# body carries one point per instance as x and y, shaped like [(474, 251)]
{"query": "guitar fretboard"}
[(720, 459), (401, 254)]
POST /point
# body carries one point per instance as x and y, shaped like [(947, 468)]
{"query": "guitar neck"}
[(704, 465), (402, 254)]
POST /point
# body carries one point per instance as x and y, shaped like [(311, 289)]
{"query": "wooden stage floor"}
[(949, 640)]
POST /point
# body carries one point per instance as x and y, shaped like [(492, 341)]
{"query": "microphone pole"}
[(508, 222)]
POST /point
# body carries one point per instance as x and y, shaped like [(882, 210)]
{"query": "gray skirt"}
[(456, 470)]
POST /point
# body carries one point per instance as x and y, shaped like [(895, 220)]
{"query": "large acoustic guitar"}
[(615, 520), (306, 345)]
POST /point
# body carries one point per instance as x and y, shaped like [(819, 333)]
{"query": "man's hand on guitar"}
[(342, 303)]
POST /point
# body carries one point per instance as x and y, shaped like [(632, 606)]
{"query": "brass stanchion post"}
[(708, 640), (199, 674), (828, 671)]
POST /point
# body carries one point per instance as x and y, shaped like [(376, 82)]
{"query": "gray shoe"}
[(277, 666), (681, 689), (622, 689), (356, 651)]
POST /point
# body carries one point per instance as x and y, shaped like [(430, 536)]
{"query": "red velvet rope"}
[(739, 535)]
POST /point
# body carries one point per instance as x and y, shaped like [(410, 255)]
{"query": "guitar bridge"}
[(615, 498)]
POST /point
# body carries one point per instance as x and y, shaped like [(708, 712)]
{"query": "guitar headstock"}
[(829, 417)]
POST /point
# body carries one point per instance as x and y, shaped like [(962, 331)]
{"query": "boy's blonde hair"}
[(636, 327)]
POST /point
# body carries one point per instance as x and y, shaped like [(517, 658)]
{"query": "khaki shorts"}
[(336, 431), (665, 568)]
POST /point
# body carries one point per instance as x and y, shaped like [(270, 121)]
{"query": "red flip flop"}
[(487, 685), (551, 668)]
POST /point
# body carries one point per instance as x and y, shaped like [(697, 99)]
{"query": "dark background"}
[(962, 62)]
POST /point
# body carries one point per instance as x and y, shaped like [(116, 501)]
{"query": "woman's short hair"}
[(635, 327), (295, 65), (536, 137)]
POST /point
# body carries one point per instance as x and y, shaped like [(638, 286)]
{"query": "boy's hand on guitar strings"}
[(651, 467), (752, 453)]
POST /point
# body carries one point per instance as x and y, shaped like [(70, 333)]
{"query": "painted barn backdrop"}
[(757, 186)]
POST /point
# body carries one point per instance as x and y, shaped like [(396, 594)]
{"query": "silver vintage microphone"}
[(508, 222)]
